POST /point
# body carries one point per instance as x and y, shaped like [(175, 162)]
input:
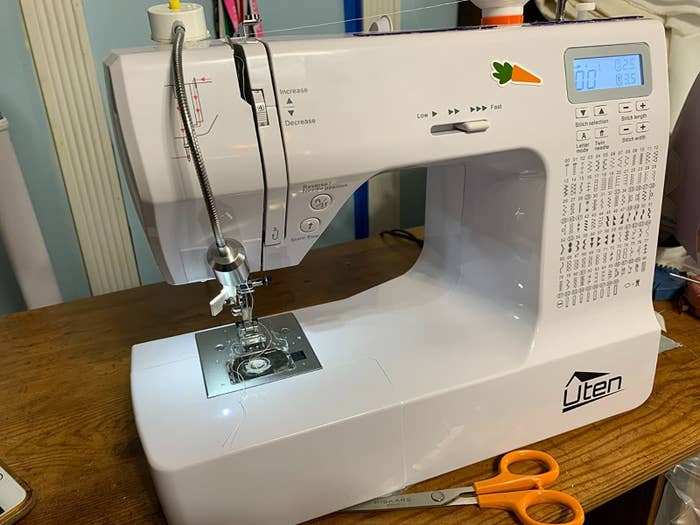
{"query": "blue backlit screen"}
[(620, 71)]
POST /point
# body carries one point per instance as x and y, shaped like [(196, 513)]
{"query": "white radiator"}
[(60, 46), (19, 230)]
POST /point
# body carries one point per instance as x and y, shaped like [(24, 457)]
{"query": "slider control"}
[(473, 126), (470, 126)]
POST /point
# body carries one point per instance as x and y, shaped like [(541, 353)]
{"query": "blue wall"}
[(283, 14), (437, 16), (22, 104)]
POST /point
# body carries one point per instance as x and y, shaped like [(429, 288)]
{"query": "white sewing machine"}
[(527, 314)]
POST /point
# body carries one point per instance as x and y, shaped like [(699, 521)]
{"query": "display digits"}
[(586, 79)]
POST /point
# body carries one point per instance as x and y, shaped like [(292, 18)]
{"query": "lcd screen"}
[(596, 73)]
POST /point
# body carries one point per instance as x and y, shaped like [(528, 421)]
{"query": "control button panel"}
[(320, 202), (592, 124), (310, 225), (600, 127), (625, 107)]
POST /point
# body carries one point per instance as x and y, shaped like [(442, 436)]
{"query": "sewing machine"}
[(527, 314)]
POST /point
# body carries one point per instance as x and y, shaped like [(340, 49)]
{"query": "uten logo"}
[(586, 387)]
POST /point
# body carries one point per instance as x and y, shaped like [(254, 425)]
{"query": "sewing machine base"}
[(224, 371), (380, 414)]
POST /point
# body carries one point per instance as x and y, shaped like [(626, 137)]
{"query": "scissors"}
[(507, 491)]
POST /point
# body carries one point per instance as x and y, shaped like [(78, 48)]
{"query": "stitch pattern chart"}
[(606, 221)]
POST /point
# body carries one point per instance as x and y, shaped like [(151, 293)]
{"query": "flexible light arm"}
[(226, 257)]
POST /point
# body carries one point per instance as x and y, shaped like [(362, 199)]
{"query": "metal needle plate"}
[(214, 348)]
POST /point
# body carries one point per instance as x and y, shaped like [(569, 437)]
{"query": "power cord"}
[(404, 234)]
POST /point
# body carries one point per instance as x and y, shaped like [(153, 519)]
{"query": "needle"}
[(684, 278)]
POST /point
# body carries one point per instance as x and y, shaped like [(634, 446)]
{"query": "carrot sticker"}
[(504, 72)]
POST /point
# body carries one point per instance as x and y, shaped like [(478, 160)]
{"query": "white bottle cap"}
[(162, 18)]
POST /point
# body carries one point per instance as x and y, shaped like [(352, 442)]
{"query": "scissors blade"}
[(435, 498), (463, 500), (398, 501)]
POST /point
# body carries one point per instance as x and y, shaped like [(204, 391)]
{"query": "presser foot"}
[(259, 351), (253, 337), (253, 352)]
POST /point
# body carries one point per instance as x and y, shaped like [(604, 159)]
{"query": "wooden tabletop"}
[(65, 413)]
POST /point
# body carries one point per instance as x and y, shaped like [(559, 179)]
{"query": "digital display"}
[(595, 73)]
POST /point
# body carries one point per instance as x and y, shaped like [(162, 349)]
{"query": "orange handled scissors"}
[(507, 491)]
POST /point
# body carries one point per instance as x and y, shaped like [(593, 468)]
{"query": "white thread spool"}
[(162, 18)]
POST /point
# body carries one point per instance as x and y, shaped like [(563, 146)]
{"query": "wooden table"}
[(65, 414)]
